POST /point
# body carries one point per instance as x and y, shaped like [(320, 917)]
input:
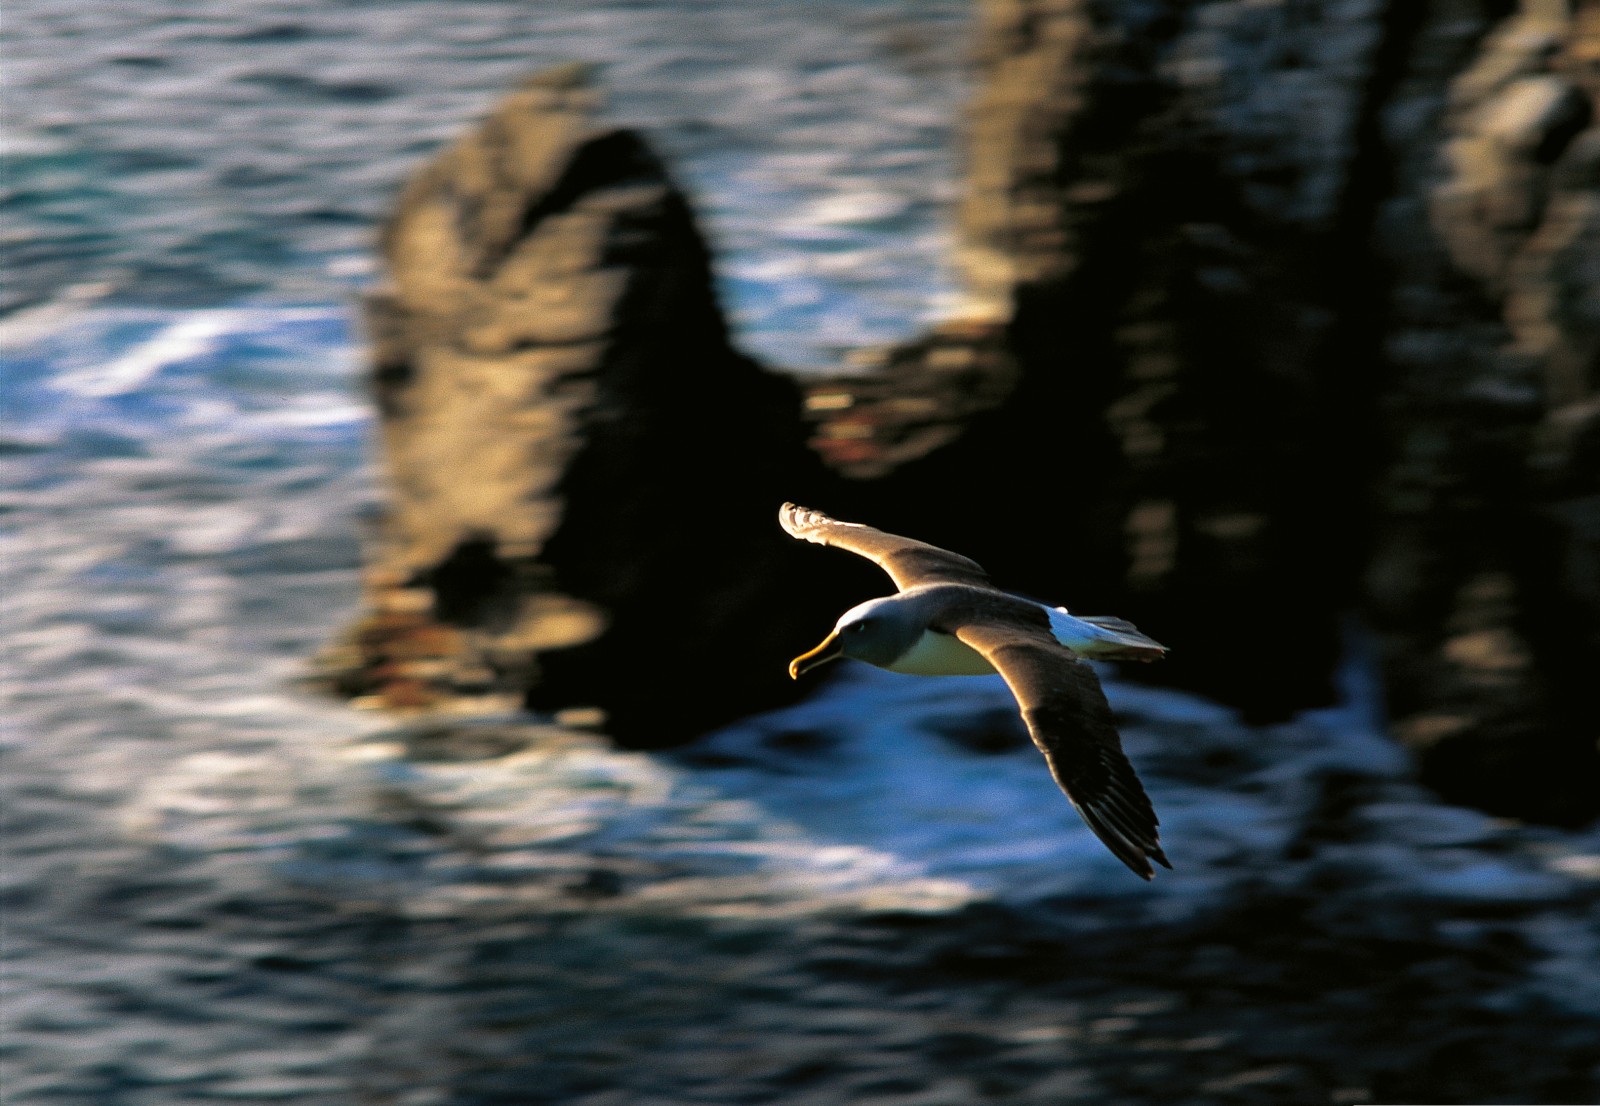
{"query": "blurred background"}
[(1299, 303)]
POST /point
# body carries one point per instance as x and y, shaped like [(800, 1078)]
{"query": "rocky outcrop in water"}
[(1276, 315), (561, 410), (1301, 310), (1484, 577), (1156, 208)]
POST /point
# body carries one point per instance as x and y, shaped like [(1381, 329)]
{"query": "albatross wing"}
[(1071, 723), (908, 563)]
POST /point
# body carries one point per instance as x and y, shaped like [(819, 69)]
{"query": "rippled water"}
[(221, 888), (201, 152)]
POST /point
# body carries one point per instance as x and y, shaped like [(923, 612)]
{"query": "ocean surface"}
[(219, 887), (203, 153)]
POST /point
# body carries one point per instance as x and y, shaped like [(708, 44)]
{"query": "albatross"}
[(947, 619)]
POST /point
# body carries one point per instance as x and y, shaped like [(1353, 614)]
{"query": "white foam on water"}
[(197, 335)]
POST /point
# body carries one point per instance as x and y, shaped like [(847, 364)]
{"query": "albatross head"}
[(879, 631)]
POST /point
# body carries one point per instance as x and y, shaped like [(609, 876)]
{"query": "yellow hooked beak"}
[(830, 649)]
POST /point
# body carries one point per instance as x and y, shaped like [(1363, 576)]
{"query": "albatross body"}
[(947, 619)]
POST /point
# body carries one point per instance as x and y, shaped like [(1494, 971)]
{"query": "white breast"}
[(937, 654)]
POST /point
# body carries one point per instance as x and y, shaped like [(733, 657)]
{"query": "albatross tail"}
[(1104, 637)]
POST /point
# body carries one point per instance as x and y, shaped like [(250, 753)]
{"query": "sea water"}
[(207, 152), (191, 191)]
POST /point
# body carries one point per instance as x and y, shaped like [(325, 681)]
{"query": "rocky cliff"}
[(1279, 314), (1302, 304), (1484, 573)]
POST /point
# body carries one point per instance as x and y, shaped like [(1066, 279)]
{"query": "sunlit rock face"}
[(561, 414)]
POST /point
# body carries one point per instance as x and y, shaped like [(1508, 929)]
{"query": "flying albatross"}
[(949, 620)]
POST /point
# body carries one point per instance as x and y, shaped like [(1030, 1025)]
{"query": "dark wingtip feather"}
[(1133, 852)]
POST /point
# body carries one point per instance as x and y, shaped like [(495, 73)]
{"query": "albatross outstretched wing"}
[(1070, 720), (907, 562)]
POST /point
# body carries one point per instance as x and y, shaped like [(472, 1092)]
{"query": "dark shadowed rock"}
[(1156, 221), (1290, 313), (561, 410), (1484, 573)]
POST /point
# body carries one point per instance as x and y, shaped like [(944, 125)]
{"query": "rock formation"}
[(1284, 313), (560, 411), (1156, 210), (1303, 307), (1484, 576)]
